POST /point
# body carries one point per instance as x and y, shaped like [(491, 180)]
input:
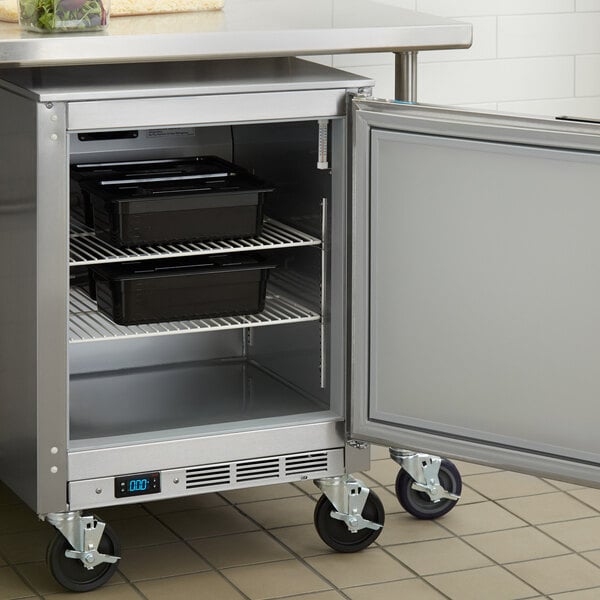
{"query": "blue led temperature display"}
[(137, 485)]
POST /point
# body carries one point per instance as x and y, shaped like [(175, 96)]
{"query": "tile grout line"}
[(569, 551), (290, 550), (208, 562)]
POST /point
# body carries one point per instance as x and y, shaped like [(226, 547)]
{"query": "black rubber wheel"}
[(335, 533), (419, 504), (71, 573)]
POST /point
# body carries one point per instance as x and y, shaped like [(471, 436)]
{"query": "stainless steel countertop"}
[(244, 29)]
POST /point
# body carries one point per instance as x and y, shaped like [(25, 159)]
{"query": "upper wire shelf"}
[(87, 249)]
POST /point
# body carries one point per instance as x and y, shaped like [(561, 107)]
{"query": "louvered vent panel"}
[(257, 469), (306, 463), (208, 476)]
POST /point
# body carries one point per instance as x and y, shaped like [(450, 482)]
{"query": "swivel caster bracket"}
[(348, 496), (84, 535), (424, 470)]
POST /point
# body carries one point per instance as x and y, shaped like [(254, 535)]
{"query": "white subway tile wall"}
[(539, 57)]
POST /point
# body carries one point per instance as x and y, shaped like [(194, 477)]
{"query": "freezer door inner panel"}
[(478, 293)]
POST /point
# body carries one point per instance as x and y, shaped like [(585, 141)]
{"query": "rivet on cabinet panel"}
[(53, 469)]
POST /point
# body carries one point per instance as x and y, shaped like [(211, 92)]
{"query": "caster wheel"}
[(335, 533), (419, 504), (71, 573)]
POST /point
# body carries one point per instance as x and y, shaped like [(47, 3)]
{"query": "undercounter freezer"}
[(433, 285)]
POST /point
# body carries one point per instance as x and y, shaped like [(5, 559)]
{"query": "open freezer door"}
[(476, 287)]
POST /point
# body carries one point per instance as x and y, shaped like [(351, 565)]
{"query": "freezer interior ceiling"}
[(153, 381)]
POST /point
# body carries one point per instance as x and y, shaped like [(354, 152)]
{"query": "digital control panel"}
[(139, 484)]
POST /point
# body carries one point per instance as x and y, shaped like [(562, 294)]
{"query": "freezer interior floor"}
[(511, 536)]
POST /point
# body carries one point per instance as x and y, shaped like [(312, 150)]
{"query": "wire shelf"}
[(86, 324), (87, 249)]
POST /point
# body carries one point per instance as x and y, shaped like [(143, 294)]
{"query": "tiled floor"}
[(511, 536)]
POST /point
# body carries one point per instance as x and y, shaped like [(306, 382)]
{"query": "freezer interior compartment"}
[(134, 203), (246, 370), (183, 288)]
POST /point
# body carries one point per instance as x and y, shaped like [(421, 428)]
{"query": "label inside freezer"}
[(137, 485)]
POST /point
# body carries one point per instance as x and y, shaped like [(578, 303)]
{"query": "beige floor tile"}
[(16, 518), (403, 528), (11, 585), (308, 487), (479, 518), (548, 508), (468, 468), (220, 520), (470, 496), (166, 560), (142, 531), (28, 546), (379, 452), (273, 580), (504, 484), (112, 592), (199, 501), (116, 513), (558, 574), (329, 595), (263, 492), (592, 594), (489, 583), (594, 556), (384, 472), (580, 535), (241, 549), (407, 589), (362, 568), (39, 578), (303, 540), (209, 586), (563, 485), (282, 512), (389, 500), (439, 556), (590, 496), (515, 545)]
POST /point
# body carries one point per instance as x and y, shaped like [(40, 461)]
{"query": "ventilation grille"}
[(212, 475), (284, 468), (249, 470), (313, 462)]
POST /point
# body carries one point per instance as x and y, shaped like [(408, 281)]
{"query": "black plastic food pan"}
[(180, 289), (210, 199)]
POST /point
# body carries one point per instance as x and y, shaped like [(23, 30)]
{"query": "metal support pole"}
[(406, 76)]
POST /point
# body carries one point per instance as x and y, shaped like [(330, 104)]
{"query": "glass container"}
[(57, 16)]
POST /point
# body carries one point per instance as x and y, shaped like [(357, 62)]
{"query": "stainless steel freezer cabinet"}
[(437, 289)]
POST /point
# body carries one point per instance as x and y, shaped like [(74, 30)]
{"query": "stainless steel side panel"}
[(476, 295), (18, 361), (231, 108), (33, 302)]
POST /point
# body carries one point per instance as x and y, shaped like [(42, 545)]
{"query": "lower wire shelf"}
[(87, 324)]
